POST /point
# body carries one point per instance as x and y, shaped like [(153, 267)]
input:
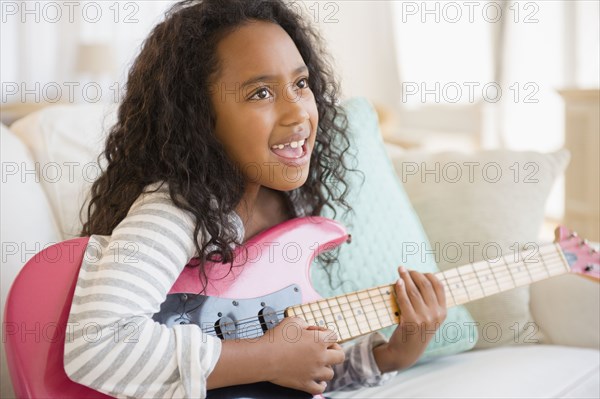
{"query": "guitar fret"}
[(563, 261), (488, 277), (503, 285), (547, 256), (314, 308), (481, 287), (377, 302), (347, 309), (510, 273), (524, 262), (365, 307), (388, 304), (394, 311), (459, 272), (362, 297), (383, 310), (328, 317), (544, 266), (493, 275), (541, 274), (556, 260), (372, 306), (354, 328), (552, 261), (355, 314), (515, 271), (359, 312), (457, 295), (346, 333), (448, 289), (304, 309), (477, 288)]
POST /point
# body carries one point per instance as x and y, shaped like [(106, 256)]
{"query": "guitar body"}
[(271, 276), (277, 257)]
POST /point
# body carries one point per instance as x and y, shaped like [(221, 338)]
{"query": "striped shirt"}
[(113, 345)]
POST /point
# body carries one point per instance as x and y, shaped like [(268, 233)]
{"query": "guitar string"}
[(466, 277), (477, 277), (351, 327), (253, 320), (487, 269), (351, 303)]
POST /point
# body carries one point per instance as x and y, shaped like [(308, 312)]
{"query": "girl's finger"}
[(406, 308), (298, 321), (414, 295), (317, 387), (335, 346), (438, 287), (425, 288), (336, 355)]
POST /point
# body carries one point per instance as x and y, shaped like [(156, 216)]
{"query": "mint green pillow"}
[(385, 229)]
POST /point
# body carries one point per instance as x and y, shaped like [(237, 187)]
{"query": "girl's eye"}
[(305, 84), (262, 93)]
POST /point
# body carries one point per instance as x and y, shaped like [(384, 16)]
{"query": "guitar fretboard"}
[(362, 312)]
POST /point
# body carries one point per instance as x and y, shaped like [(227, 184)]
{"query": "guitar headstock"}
[(583, 259)]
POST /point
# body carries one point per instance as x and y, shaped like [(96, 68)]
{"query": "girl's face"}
[(263, 102)]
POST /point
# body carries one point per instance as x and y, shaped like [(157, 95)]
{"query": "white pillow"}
[(463, 199), (27, 224), (66, 140)]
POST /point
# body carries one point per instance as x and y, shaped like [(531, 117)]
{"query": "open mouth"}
[(290, 153)]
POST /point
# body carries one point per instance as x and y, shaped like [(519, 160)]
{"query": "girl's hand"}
[(302, 355), (422, 304)]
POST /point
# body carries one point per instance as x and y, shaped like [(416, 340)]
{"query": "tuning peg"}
[(589, 268)]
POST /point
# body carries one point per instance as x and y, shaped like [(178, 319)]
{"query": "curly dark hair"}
[(165, 127)]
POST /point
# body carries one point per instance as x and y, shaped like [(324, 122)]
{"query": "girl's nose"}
[(294, 107)]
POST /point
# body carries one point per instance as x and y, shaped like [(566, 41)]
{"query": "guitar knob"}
[(589, 268)]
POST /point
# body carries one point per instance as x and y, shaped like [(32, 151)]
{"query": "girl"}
[(225, 103)]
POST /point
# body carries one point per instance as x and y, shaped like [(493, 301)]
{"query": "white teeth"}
[(293, 144)]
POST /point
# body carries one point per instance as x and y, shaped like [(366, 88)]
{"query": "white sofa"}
[(40, 207)]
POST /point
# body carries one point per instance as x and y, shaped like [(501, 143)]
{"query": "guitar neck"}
[(362, 312)]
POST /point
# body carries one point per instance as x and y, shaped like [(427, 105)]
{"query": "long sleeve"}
[(359, 369), (112, 344)]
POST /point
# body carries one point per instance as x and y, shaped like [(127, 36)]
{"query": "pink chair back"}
[(36, 315)]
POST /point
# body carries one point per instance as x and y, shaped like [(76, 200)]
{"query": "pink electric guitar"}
[(273, 283)]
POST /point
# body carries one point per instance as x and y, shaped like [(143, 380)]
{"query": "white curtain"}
[(509, 56), (522, 51), (559, 50), (40, 41)]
